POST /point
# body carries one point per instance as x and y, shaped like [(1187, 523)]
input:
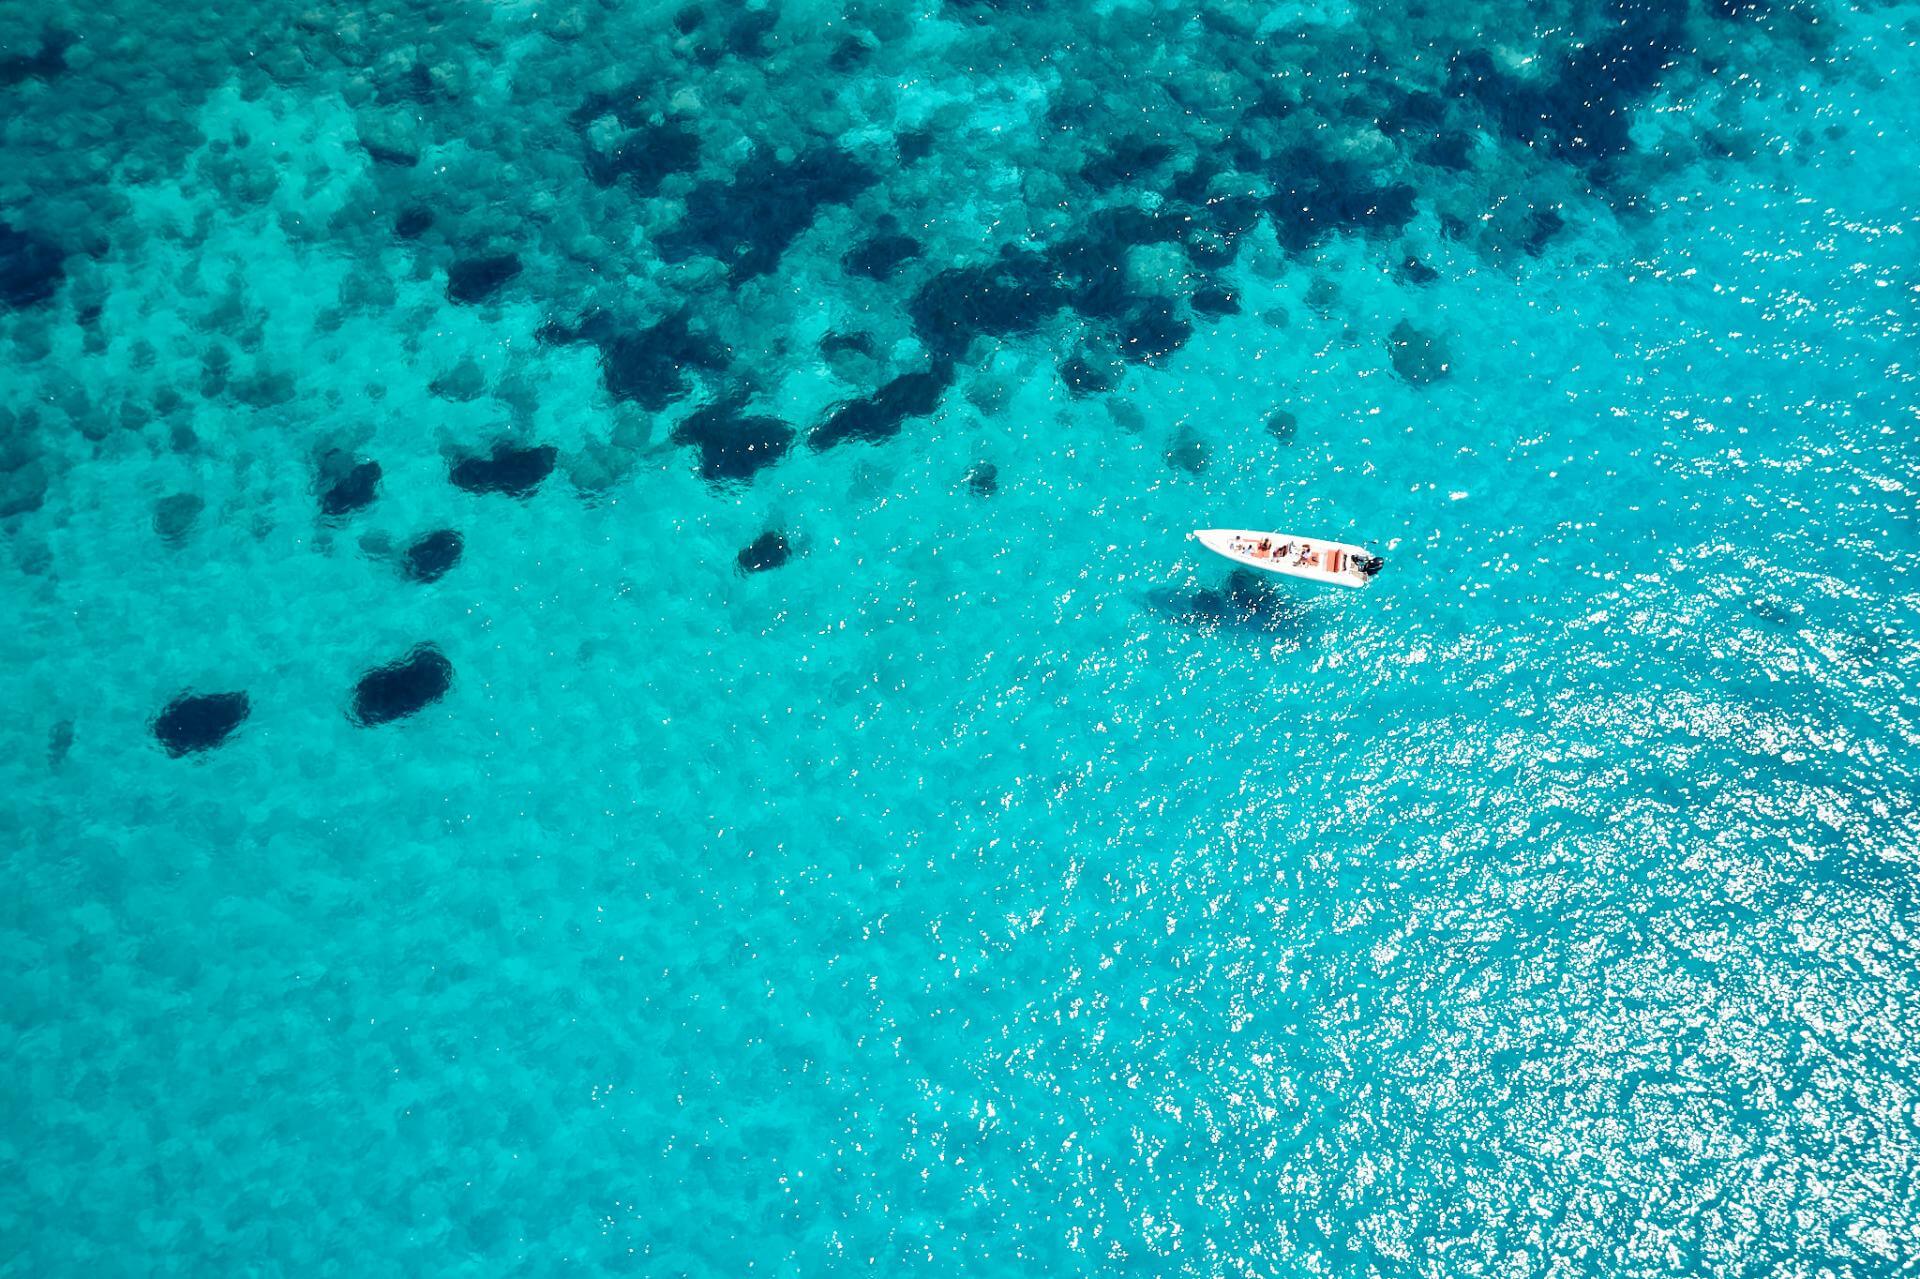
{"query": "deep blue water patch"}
[(513, 469), (195, 722), (403, 687)]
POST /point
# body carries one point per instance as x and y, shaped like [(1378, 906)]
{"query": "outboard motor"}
[(1368, 565)]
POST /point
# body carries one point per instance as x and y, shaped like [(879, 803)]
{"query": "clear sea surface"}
[(604, 673)]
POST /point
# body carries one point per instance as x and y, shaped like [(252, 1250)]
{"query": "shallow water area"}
[(608, 671)]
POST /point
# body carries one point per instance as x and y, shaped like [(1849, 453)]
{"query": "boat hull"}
[(1314, 559)]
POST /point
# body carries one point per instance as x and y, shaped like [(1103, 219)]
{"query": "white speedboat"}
[(1314, 558)]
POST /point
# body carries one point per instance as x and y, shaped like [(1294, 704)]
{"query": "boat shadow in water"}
[(1246, 601)]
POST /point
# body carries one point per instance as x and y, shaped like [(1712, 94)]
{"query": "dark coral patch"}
[(880, 415), (349, 488), (733, 445), (30, 268), (479, 278), (508, 469), (983, 479), (403, 687), (768, 551), (431, 556), (194, 722)]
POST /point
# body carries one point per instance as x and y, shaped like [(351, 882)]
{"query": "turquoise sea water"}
[(994, 884)]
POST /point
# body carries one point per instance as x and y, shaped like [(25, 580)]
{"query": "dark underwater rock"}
[(403, 687), (650, 367), (1153, 333), (1125, 162), (479, 278), (1084, 377), (59, 743), (747, 34), (1583, 110), (881, 256), (733, 445), (983, 479), (833, 344), (1189, 454), (1542, 226), (1414, 271), (1215, 300), (175, 515), (194, 722), (1281, 425), (1420, 358), (1316, 195), (431, 556), (413, 222), (508, 468), (916, 144), (768, 551), (31, 268), (748, 222), (646, 158), (880, 415), (49, 60), (348, 486), (1010, 296)]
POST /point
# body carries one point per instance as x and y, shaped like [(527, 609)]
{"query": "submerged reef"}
[(196, 722), (403, 687)]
